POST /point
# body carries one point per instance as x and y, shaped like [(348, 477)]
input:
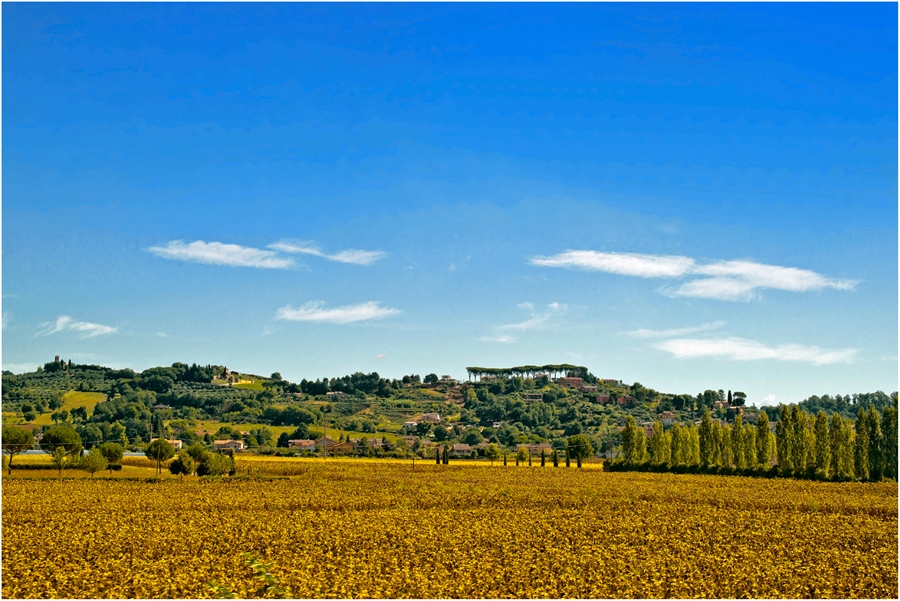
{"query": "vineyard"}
[(346, 528)]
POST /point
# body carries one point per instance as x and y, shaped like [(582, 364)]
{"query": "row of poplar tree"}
[(801, 445)]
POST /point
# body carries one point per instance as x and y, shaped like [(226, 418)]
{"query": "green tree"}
[(707, 439), (521, 455), (159, 450), (841, 437), (737, 443), (94, 462), (15, 441), (861, 449), (748, 440), (725, 454), (679, 439), (799, 438), (784, 436), (182, 466), (492, 453), (823, 444), (579, 447), (64, 437), (889, 426), (763, 436), (693, 445), (112, 452), (660, 445), (215, 464), (876, 444), (58, 457)]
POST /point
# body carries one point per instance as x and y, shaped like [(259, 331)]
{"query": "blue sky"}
[(690, 196)]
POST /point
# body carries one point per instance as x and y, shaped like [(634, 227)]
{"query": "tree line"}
[(802, 445)]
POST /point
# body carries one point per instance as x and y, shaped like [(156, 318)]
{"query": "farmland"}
[(356, 528)]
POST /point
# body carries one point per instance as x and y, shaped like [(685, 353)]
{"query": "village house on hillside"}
[(235, 445), (571, 382), (535, 448), (431, 418)]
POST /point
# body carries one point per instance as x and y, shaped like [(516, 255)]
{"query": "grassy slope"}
[(73, 399)]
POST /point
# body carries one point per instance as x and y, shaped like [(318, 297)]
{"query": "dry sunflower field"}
[(369, 529)]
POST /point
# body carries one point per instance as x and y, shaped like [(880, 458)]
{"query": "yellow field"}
[(345, 528)]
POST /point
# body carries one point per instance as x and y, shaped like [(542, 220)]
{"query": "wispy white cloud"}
[(315, 311), (217, 253), (353, 256), (633, 264), (642, 333), (7, 319), (725, 280), (536, 319), (768, 400), (503, 339), (65, 323), (380, 356), (741, 349)]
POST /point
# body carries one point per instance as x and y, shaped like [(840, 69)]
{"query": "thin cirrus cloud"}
[(235, 255), (64, 323), (537, 320), (720, 280), (741, 349), (643, 333), (353, 256), (315, 311), (217, 253)]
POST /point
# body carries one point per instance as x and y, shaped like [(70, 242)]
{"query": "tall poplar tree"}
[(876, 445), (726, 451), (798, 438), (784, 441), (763, 434), (660, 447), (889, 427), (693, 445), (823, 444), (861, 447), (707, 439), (737, 442), (679, 445), (748, 440)]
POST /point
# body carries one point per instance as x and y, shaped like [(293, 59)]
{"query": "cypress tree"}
[(543, 458), (823, 444), (763, 434), (876, 445), (568, 460), (437, 455), (555, 458), (861, 447)]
